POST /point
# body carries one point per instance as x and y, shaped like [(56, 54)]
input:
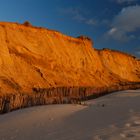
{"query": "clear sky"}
[(111, 24)]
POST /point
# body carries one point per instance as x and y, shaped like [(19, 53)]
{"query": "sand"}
[(111, 117), (39, 58)]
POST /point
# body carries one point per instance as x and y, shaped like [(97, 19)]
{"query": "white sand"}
[(112, 117)]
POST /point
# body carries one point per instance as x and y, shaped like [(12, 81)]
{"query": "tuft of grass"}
[(27, 23)]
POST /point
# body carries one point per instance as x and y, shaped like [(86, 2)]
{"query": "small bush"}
[(27, 23), (84, 37)]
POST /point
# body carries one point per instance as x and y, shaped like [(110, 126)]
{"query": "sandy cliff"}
[(38, 58)]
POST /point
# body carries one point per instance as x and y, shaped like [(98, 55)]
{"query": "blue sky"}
[(113, 24)]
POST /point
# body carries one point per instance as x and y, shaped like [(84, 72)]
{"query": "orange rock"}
[(37, 57)]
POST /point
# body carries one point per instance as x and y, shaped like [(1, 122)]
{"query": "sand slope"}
[(34, 61), (112, 117), (41, 58)]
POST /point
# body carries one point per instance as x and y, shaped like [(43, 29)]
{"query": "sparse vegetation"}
[(84, 37), (27, 23)]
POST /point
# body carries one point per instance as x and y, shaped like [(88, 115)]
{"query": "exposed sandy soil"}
[(32, 57), (112, 117)]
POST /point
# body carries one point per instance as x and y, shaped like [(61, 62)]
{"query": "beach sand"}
[(112, 117)]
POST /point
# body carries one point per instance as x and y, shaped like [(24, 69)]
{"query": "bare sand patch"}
[(112, 117)]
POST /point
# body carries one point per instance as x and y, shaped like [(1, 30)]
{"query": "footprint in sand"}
[(131, 111), (101, 105), (97, 138), (130, 135), (137, 123), (51, 119), (100, 137), (128, 124), (134, 124)]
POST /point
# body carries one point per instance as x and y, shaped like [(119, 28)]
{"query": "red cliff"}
[(38, 58)]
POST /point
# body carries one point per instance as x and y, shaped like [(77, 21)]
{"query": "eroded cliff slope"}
[(38, 58)]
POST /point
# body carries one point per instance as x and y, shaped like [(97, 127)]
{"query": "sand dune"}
[(112, 117), (42, 66), (33, 57)]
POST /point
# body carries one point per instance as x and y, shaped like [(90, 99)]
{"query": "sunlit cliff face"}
[(37, 57)]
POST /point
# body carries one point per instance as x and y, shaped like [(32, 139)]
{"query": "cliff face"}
[(40, 58)]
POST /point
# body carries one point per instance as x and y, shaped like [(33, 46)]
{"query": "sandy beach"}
[(112, 117)]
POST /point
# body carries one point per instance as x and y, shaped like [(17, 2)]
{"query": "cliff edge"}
[(38, 58)]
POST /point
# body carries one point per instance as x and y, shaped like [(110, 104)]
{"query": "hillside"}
[(38, 58)]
